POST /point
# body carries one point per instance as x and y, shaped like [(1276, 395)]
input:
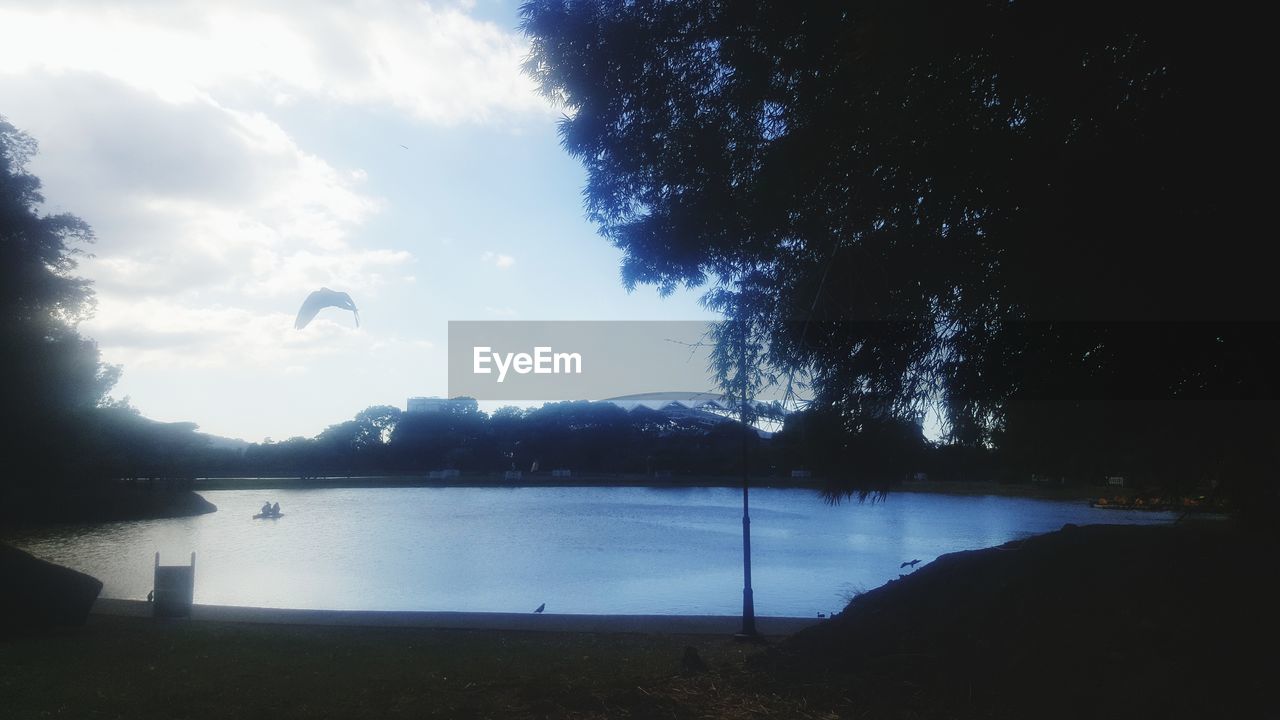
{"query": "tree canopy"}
[(1037, 216), (51, 374)]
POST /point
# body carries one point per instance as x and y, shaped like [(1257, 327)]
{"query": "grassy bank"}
[(1098, 621), (140, 668), (1044, 491)]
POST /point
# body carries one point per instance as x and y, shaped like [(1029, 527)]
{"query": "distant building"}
[(675, 402), (704, 407)]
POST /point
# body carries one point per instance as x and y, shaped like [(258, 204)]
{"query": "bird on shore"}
[(541, 607), (320, 299), (911, 563)]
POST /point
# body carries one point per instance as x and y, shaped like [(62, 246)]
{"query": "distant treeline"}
[(584, 437)]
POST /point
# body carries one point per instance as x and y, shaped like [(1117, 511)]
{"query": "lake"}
[(579, 550)]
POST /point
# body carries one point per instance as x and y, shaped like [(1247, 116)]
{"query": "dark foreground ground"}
[(119, 667), (1112, 621), (1098, 621)]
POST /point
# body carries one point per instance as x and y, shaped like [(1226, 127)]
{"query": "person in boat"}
[(275, 509), (266, 508)]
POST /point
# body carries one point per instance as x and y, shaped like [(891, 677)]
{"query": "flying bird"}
[(320, 299), (541, 607), (912, 563)]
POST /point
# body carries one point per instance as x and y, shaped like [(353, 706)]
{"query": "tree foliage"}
[(52, 376), (584, 437), (1037, 216)]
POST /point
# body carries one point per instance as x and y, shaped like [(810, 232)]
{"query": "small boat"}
[(268, 516)]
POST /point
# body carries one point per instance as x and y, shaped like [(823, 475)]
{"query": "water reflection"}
[(580, 550)]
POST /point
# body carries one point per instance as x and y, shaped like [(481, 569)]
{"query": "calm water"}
[(579, 550)]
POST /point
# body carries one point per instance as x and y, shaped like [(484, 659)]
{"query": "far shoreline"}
[(496, 480), (141, 500), (679, 624)]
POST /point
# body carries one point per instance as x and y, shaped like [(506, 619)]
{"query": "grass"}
[(118, 667)]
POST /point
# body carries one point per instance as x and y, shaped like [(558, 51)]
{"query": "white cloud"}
[(154, 332), (434, 62), (181, 132), (195, 205), (497, 259), (401, 345)]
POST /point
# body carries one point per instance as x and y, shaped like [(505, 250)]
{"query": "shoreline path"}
[(669, 624)]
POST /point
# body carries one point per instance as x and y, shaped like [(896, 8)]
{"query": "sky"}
[(234, 156)]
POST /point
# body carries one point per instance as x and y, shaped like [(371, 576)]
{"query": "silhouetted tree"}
[(449, 438), (577, 434), (359, 445), (506, 435), (872, 454), (52, 376), (380, 421), (1038, 215)]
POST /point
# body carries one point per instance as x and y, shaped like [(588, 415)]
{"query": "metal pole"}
[(748, 601)]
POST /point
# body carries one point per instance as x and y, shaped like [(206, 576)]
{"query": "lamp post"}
[(748, 601)]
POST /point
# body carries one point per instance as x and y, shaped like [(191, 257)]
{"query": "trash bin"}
[(174, 589)]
